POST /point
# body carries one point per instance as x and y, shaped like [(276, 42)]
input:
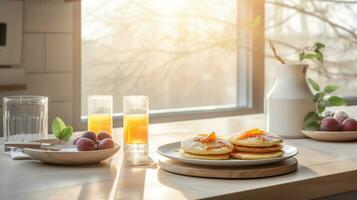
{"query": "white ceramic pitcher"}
[(289, 101)]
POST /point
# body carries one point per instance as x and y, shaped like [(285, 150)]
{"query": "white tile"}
[(45, 16), (34, 46), (62, 110), (59, 52), (56, 86)]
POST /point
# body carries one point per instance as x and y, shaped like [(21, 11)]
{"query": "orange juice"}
[(100, 122), (136, 128)]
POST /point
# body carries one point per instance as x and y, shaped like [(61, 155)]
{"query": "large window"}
[(191, 57), (294, 24)]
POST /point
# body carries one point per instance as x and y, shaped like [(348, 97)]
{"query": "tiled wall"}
[(47, 55)]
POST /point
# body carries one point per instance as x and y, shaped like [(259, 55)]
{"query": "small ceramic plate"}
[(172, 151), (71, 156), (331, 136)]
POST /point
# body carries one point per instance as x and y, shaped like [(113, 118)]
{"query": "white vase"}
[(289, 101)]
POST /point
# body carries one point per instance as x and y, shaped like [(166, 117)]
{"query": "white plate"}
[(171, 151), (71, 156), (331, 136)]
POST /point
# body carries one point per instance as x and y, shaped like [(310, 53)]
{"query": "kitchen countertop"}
[(325, 168)]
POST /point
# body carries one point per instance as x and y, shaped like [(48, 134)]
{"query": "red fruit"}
[(330, 124), (349, 125), (340, 119), (102, 135), (85, 144), (106, 143), (90, 135), (75, 141), (340, 113)]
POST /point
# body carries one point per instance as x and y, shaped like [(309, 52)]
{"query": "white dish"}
[(171, 151), (331, 136), (71, 156)]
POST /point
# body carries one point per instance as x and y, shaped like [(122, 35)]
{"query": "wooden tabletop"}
[(325, 168)]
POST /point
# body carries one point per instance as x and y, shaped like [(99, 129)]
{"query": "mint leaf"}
[(66, 133), (330, 88), (336, 101), (57, 126), (313, 84)]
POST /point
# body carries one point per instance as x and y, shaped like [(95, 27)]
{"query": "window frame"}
[(250, 73)]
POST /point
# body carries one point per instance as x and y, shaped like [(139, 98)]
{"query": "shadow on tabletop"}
[(170, 179)]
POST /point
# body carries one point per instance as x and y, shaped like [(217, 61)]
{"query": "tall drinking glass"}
[(136, 127), (25, 118), (100, 113)]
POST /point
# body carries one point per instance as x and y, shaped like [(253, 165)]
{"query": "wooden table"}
[(324, 169)]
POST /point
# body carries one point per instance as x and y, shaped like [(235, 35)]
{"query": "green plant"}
[(313, 52), (60, 130), (312, 120)]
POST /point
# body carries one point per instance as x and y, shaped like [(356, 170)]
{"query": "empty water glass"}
[(25, 118)]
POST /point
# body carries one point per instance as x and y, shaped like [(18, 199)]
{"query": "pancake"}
[(255, 138), (205, 156), (256, 156), (274, 148), (206, 145)]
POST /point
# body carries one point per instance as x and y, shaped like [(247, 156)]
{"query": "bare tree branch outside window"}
[(183, 52)]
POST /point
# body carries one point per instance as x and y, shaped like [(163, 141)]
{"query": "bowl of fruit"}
[(89, 148), (334, 127)]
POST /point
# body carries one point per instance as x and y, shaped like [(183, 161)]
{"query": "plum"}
[(349, 125), (85, 144), (106, 143), (102, 135), (340, 113), (90, 135), (75, 141), (330, 124), (341, 118)]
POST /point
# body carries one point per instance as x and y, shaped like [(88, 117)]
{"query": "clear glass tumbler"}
[(25, 118), (136, 129), (100, 113)]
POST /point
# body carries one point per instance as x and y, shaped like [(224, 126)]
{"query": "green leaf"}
[(319, 56), (57, 127), (313, 84), (336, 101), (312, 126), (320, 107), (312, 116), (319, 96), (66, 133), (301, 56), (308, 56), (330, 88), (318, 45)]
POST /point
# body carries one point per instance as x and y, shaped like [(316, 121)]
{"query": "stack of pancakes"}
[(256, 144), (206, 147)]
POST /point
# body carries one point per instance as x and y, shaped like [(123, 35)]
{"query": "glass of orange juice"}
[(136, 129), (100, 113)]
